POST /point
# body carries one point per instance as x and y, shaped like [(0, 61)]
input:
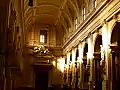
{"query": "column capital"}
[(115, 17), (114, 46), (103, 22)]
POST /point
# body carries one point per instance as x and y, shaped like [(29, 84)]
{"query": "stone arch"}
[(97, 59), (98, 42), (77, 68), (85, 51), (111, 30), (115, 54), (111, 25), (95, 35), (77, 54), (115, 33)]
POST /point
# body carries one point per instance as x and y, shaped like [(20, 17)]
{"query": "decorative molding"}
[(83, 30), (85, 23)]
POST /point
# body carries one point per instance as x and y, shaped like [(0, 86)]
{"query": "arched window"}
[(95, 3), (76, 23), (43, 36), (84, 12)]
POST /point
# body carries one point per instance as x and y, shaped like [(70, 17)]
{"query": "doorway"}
[(41, 76), (41, 80)]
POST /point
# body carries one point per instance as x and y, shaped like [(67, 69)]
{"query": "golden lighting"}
[(80, 60), (54, 63), (61, 64), (89, 55), (104, 34), (66, 66)]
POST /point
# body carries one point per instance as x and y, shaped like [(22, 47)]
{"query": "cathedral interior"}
[(59, 45)]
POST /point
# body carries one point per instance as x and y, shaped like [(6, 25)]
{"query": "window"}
[(70, 56), (76, 23), (84, 13), (30, 3), (95, 3), (43, 36)]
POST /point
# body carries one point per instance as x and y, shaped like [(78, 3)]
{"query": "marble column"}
[(73, 67), (68, 60), (81, 74)]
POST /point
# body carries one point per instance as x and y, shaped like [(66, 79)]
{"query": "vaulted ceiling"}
[(43, 11), (50, 12), (47, 11)]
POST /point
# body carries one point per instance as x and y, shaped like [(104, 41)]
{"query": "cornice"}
[(82, 25), (86, 25)]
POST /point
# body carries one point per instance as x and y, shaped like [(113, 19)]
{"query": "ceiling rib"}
[(61, 8), (47, 4), (43, 14)]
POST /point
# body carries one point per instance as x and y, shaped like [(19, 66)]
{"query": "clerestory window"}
[(76, 23), (95, 3), (43, 36), (84, 12)]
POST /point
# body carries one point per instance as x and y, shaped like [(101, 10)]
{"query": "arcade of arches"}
[(60, 45)]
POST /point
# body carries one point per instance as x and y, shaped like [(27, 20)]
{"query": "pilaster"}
[(81, 73), (73, 67), (68, 60)]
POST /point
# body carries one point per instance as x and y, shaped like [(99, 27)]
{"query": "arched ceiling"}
[(47, 11), (52, 12), (43, 11)]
